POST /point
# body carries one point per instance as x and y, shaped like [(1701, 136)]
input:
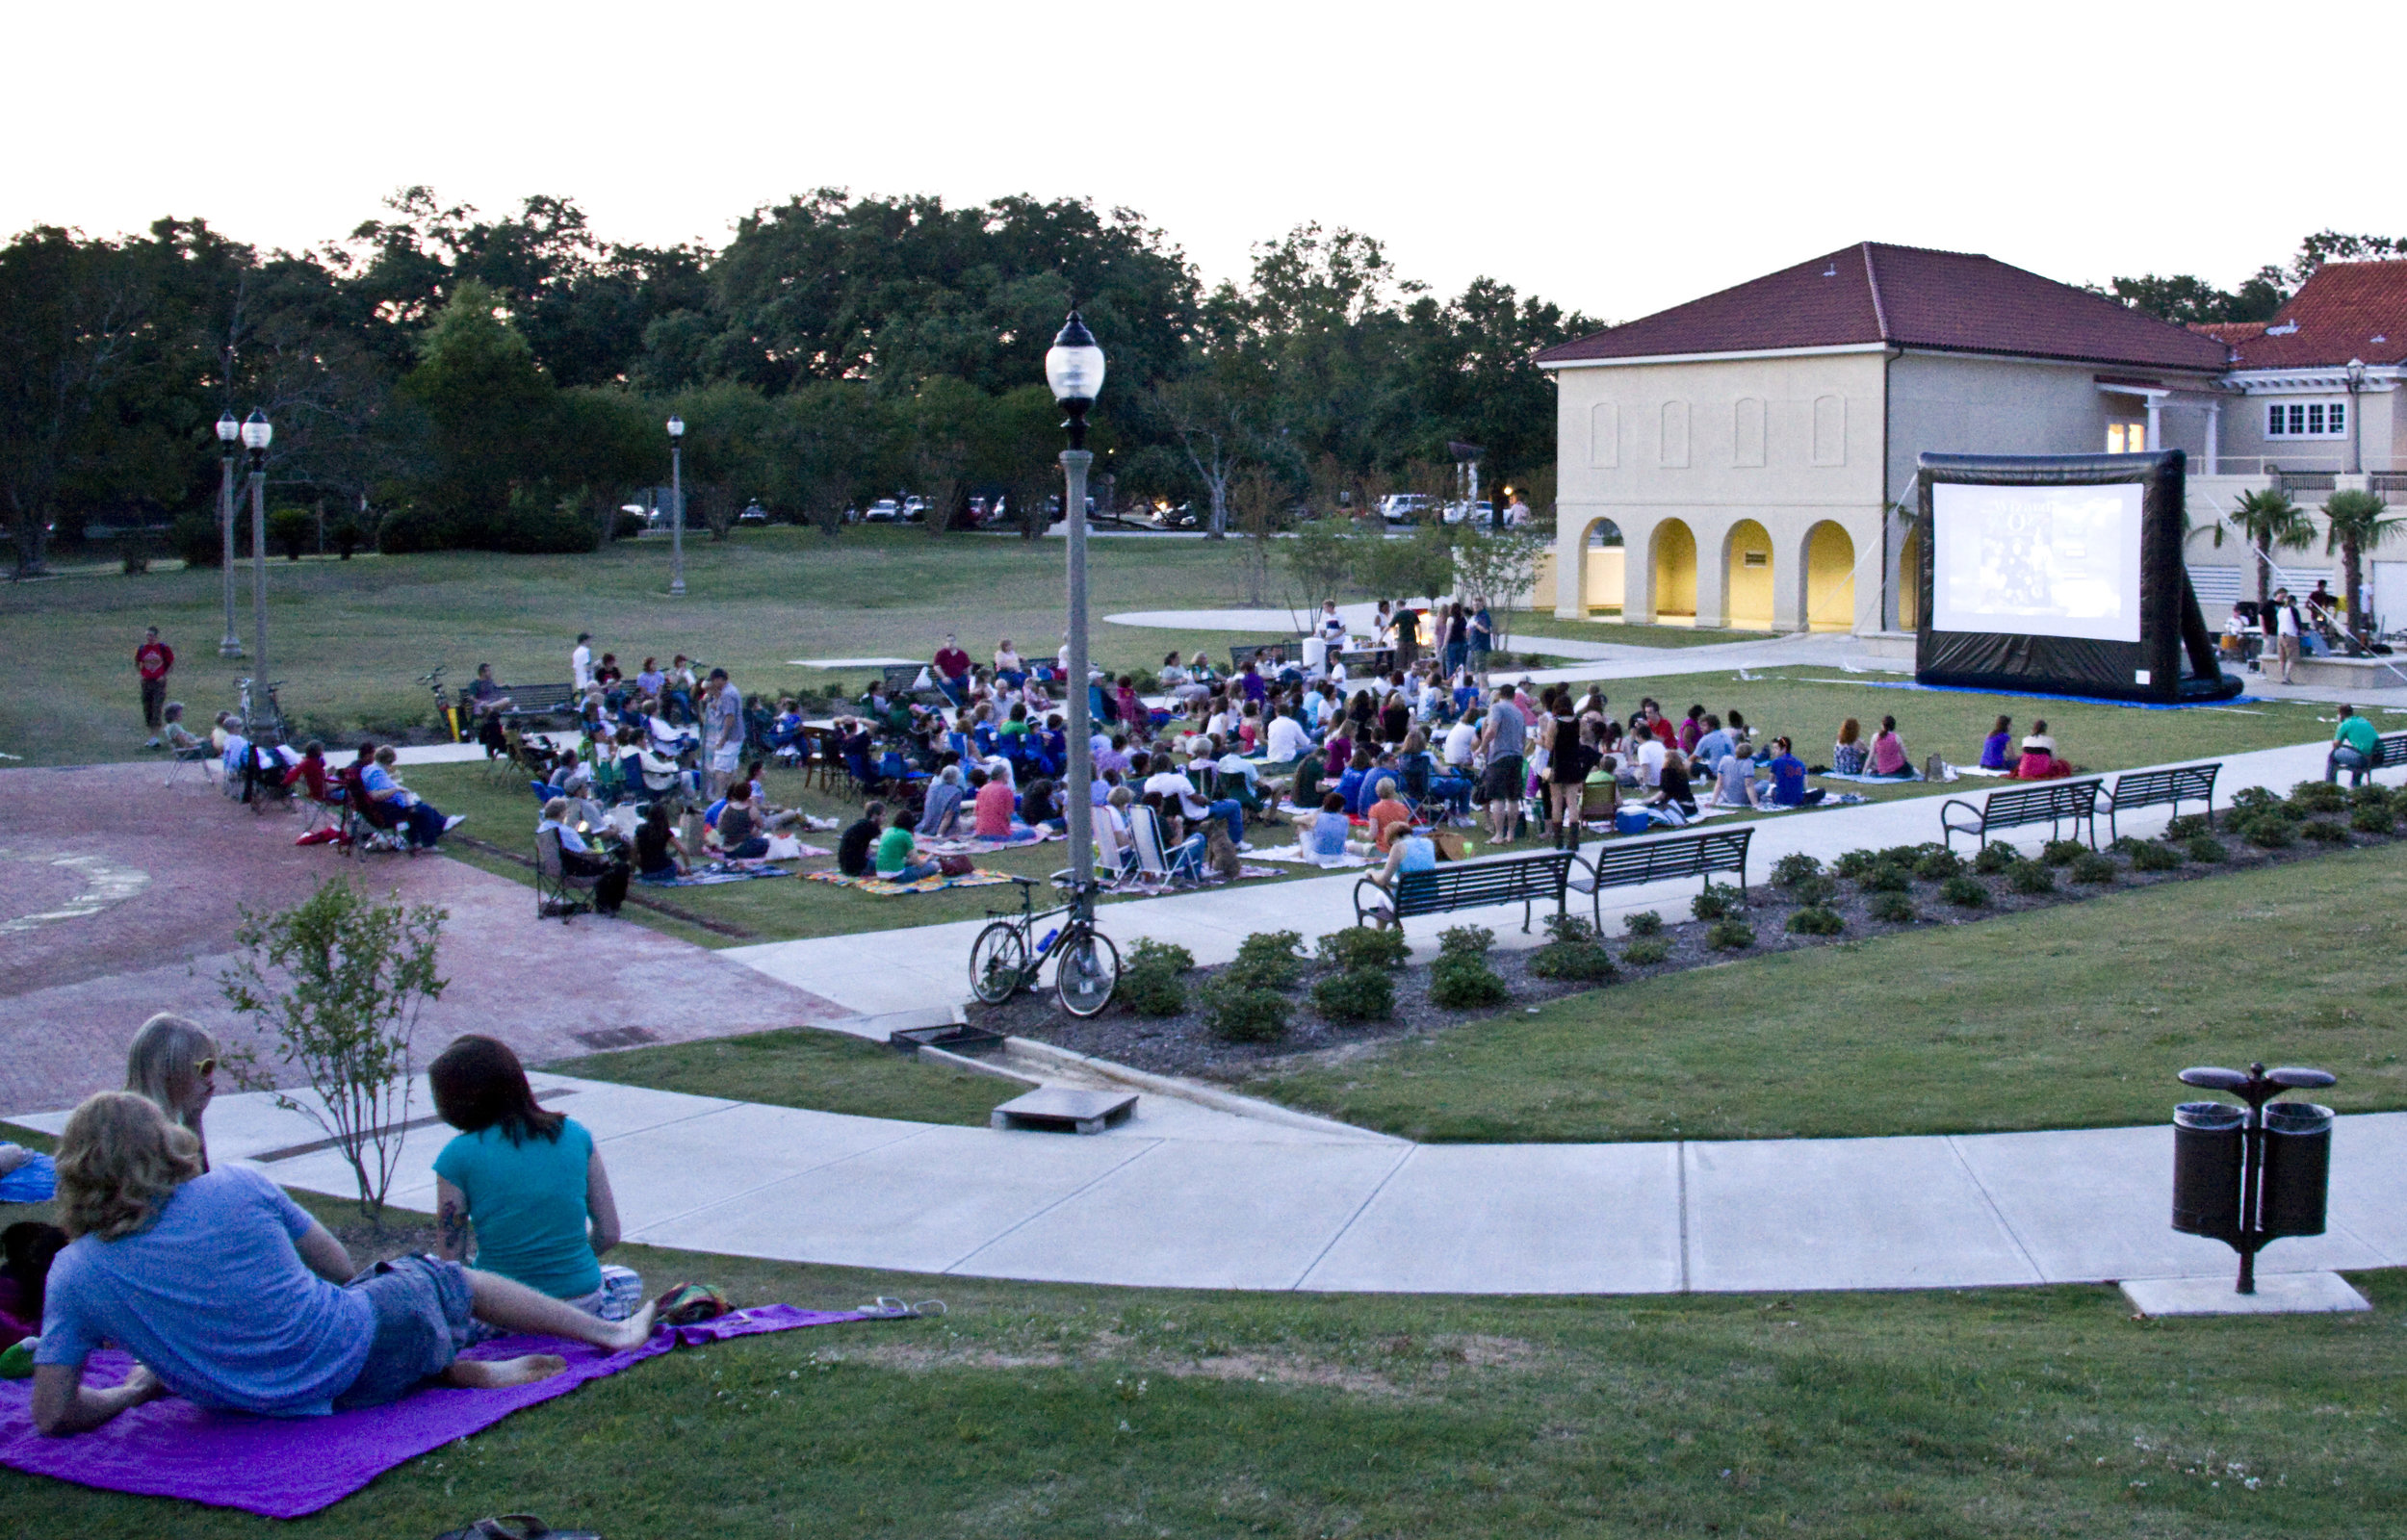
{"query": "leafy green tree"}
[(483, 409), (2268, 519), (729, 448), (948, 427), (2354, 522), (832, 442), (1496, 566)]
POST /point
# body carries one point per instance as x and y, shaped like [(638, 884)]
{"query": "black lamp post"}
[(229, 432), (1073, 366), (677, 507), (256, 434)]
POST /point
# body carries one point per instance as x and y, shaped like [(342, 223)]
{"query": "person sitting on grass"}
[(1997, 749), (2039, 760), (527, 1184), (424, 822), (1388, 815), (2355, 746), (1040, 805), (658, 851), (1410, 849), (1888, 752), (1788, 778), (1849, 755), (991, 804), (1354, 784), (1675, 802), (1329, 828), (895, 850), (229, 1294), (1734, 782), (174, 1061), (738, 832), (854, 845), (940, 814)]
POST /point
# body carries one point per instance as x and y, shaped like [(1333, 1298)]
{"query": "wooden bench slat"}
[(1476, 884)]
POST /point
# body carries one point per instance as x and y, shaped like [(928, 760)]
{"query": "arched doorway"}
[(1909, 580), (1676, 574), (1747, 582), (1601, 569), (1829, 579)]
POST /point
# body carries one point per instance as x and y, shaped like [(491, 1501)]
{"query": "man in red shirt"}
[(952, 671), (152, 660)]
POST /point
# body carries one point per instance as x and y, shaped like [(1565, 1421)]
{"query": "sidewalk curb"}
[(1203, 1095)]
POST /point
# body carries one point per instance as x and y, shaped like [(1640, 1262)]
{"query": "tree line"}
[(438, 379)]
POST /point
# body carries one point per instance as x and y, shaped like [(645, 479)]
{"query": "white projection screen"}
[(2036, 561)]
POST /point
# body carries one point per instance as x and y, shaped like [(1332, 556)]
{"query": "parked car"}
[(885, 510), (1482, 512), (1406, 507), (752, 513), (1181, 516), (914, 509)]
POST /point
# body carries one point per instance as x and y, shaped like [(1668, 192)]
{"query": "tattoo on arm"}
[(452, 1226)]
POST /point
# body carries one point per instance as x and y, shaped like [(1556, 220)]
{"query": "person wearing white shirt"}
[(1651, 757), (1462, 739), (1288, 742), (580, 664), (1333, 627)]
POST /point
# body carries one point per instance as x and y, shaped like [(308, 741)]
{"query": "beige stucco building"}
[(1751, 448)]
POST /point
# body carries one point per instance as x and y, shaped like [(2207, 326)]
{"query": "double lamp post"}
[(253, 434)]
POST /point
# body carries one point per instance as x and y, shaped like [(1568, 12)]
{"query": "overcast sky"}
[(1612, 158)]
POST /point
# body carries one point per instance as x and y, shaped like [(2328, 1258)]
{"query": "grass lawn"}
[(1528, 623), (2073, 1016), (1089, 1412), (805, 1067)]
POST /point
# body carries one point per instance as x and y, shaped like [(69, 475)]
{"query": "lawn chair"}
[(199, 758), (369, 826), (1117, 859), (1154, 865), (556, 886)]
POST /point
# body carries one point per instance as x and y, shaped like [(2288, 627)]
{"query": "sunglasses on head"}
[(207, 1066)]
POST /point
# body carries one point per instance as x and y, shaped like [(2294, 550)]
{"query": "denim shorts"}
[(421, 1323)]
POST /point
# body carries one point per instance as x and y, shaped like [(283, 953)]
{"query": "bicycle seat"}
[(1026, 881)]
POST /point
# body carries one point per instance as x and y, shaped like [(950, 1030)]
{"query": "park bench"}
[(2159, 788), (1474, 885), (2390, 752), (2053, 803), (530, 703), (1653, 860), (901, 679), (1275, 654)]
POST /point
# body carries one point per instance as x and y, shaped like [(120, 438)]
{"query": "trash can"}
[(2206, 1153), (2297, 1168)]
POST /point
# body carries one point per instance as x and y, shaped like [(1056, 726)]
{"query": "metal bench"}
[(531, 703), (901, 679), (2390, 752), (1275, 654), (2053, 803), (2159, 788), (1474, 885), (1656, 861)]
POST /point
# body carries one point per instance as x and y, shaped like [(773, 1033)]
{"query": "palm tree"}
[(2355, 521), (2270, 519)]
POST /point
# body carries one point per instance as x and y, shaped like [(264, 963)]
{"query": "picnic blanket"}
[(284, 1467), (1298, 855), (1872, 781), (977, 878), (974, 845), (37, 1181), (718, 871)]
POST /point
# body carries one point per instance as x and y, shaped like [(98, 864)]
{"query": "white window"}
[(2127, 438), (2306, 419)]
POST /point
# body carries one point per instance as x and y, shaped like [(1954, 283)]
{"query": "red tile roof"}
[(2337, 312), (1905, 296)]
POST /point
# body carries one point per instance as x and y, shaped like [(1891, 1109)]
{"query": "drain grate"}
[(615, 1037)]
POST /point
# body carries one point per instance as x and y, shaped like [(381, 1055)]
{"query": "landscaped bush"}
[(1169, 955), (2372, 794), (1647, 953), (1361, 948), (1150, 984), (1645, 922), (1964, 892), (292, 532), (197, 539), (1855, 863), (2318, 796), (1714, 902), (1937, 864), (2063, 852), (1815, 890), (1235, 1011), (1464, 982), (1886, 878), (1572, 953), (1730, 936), (2249, 801), (2155, 856), (1465, 941), (2189, 825), (1365, 993), (1994, 860), (2372, 820), (2030, 876), (1895, 908), (1795, 868), (2206, 849), (2323, 832), (1267, 959), (2269, 831), (2093, 867), (1906, 855), (1816, 922)]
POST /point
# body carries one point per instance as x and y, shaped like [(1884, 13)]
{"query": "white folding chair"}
[(1119, 861), (1155, 865)]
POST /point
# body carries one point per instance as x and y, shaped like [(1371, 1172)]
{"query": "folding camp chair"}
[(1117, 860), (199, 758), (557, 889), (1155, 865)]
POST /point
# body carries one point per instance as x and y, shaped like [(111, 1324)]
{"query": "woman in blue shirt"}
[(1788, 779), (1997, 749)]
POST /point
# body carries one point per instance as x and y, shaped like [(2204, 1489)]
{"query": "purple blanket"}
[(285, 1467)]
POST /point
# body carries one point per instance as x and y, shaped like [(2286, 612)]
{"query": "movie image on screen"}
[(2037, 560)]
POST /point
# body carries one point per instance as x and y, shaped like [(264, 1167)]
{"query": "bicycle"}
[(446, 711), (265, 731), (1003, 961)]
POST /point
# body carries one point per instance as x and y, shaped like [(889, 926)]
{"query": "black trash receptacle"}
[(2205, 1169), (2297, 1168)]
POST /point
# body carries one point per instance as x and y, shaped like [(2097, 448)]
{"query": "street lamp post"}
[(228, 432), (1073, 366), (2356, 435), (677, 507), (255, 436)]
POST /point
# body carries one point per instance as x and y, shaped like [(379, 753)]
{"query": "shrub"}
[(1568, 927), (1964, 892), (1886, 878), (1645, 922), (1816, 922), (1714, 902), (196, 538), (2206, 848), (1894, 908), (1464, 982), (2095, 868), (2189, 825), (2029, 877), (1583, 960), (1361, 948), (1937, 864), (1366, 994), (1267, 959), (1730, 936), (1465, 941), (1150, 984), (1815, 891), (1995, 860), (2155, 856), (2268, 830), (2318, 796), (1167, 955), (1235, 1011), (2372, 820), (1907, 855), (2063, 852), (2249, 801), (344, 534), (1855, 863), (2372, 794), (1647, 953), (293, 531), (2323, 832), (1791, 869)]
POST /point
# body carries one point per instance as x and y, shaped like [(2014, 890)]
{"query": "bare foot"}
[(634, 1331), (498, 1373)]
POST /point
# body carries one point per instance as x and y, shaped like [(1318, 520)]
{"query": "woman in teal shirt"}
[(528, 1181)]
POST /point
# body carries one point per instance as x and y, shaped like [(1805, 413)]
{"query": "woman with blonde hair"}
[(229, 1294), (171, 1061)]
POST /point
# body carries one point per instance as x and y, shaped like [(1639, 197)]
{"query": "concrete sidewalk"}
[(1151, 1204)]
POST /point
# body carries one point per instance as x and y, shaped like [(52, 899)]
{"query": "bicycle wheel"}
[(998, 963), (1088, 973)]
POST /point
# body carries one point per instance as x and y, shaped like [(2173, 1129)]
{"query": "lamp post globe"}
[(1074, 368), (676, 507), (229, 433)]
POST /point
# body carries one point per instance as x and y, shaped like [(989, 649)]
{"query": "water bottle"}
[(1050, 936)]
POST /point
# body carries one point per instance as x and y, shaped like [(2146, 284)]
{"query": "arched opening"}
[(1829, 579), (1909, 580), (1748, 584), (1602, 573), (1676, 574)]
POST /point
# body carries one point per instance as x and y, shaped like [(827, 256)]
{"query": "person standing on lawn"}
[(580, 664), (153, 662)]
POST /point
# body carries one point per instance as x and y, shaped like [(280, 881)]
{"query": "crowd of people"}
[(228, 1293)]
